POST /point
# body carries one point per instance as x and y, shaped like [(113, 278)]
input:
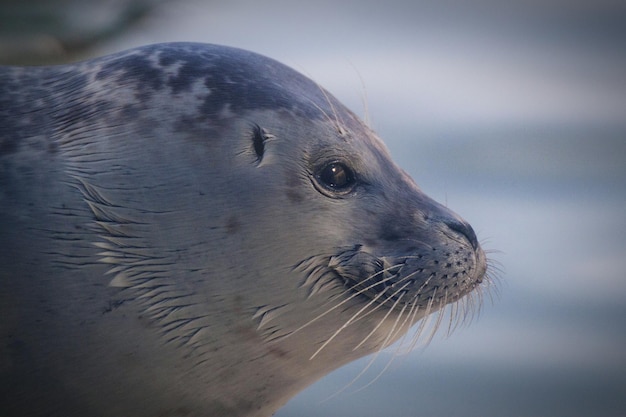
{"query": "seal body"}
[(196, 230)]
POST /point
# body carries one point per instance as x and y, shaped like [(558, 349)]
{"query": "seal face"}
[(193, 230)]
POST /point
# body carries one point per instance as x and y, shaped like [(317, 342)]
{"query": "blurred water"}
[(514, 115)]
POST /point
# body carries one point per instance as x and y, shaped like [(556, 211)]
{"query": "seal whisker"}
[(387, 365), (422, 326), (463, 311), (382, 347), (408, 321), (412, 319), (454, 318), (435, 325), (364, 99), (472, 308), (346, 324), (408, 279), (382, 281), (400, 330), (392, 308), (354, 291), (337, 121), (440, 314), (372, 276)]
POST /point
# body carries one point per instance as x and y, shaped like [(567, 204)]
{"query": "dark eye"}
[(336, 177)]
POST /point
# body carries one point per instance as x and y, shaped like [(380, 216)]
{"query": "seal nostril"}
[(463, 229)]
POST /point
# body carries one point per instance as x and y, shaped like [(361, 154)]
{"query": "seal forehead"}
[(229, 78)]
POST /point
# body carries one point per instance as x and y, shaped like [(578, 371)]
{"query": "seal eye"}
[(336, 177)]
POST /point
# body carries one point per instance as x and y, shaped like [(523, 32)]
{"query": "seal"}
[(197, 230)]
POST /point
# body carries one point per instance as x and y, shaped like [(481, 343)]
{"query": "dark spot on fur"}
[(53, 147), (136, 70), (7, 146), (294, 195), (112, 306), (166, 60), (294, 191), (370, 242), (130, 111), (183, 80), (391, 230), (232, 225), (292, 180), (279, 353)]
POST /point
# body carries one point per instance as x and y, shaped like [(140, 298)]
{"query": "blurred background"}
[(513, 114)]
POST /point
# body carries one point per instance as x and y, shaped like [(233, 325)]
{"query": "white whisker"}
[(382, 347), (408, 321), (355, 293), (336, 121), (422, 325), (392, 308), (346, 324), (437, 321)]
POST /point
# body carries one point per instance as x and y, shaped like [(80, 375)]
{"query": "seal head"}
[(193, 230)]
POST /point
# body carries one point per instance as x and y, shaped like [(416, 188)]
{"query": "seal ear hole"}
[(258, 141), (335, 178)]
